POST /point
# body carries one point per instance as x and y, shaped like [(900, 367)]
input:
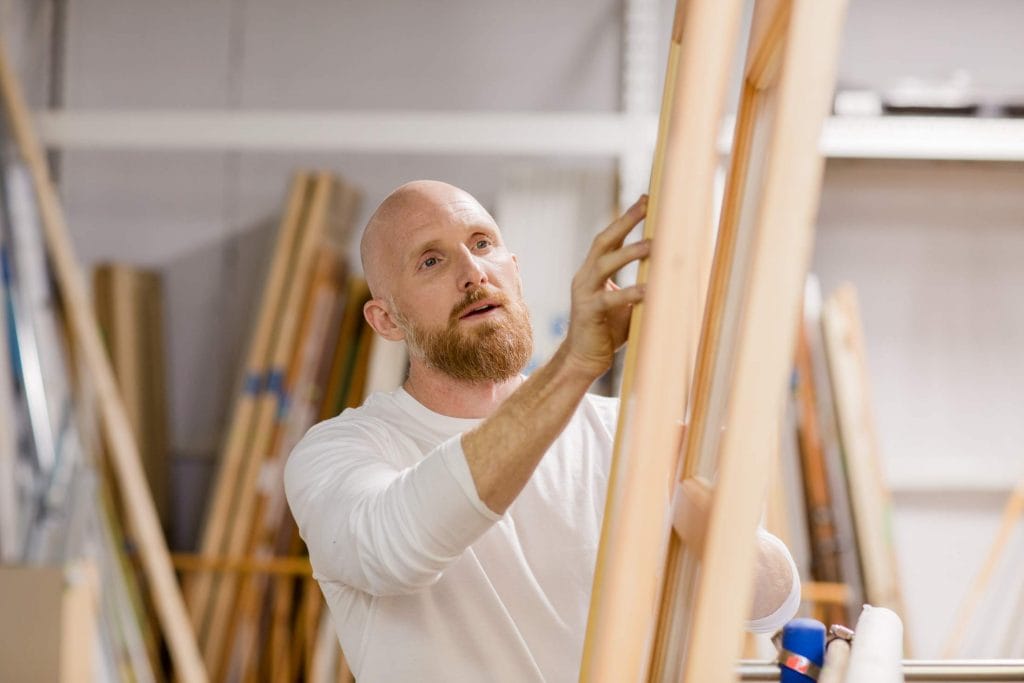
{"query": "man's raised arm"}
[(503, 451)]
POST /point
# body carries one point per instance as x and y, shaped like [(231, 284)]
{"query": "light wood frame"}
[(628, 574), (743, 362)]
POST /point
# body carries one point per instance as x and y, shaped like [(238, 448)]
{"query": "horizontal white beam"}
[(945, 475), (519, 134), (916, 137), (925, 137), (593, 134)]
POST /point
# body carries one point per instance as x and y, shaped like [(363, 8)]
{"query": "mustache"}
[(475, 297)]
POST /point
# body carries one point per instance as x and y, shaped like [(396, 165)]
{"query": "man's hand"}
[(599, 321)]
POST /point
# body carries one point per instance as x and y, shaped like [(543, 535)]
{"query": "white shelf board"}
[(916, 137), (924, 137), (592, 134), (945, 475)]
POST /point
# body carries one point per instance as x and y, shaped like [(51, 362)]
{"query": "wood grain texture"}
[(779, 197), (664, 333)]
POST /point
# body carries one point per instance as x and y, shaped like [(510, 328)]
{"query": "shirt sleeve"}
[(787, 610), (376, 527)]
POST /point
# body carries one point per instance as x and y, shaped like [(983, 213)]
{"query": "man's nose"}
[(471, 275)]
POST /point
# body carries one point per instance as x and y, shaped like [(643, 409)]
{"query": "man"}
[(453, 523)]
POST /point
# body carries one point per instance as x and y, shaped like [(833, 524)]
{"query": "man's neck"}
[(456, 398)]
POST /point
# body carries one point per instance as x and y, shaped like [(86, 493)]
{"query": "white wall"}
[(935, 250), (26, 27), (205, 218)]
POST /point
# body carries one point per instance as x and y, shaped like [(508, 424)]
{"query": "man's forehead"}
[(414, 216), (452, 213)]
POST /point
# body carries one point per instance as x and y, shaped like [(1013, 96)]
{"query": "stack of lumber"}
[(833, 505), (255, 607)]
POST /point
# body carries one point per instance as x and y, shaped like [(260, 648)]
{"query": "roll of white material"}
[(877, 654), (837, 658)]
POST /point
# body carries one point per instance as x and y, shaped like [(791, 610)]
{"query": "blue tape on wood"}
[(803, 651), (253, 384), (275, 382)]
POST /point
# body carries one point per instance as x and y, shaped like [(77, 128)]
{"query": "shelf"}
[(591, 134), (946, 475), (924, 137), (918, 137), (588, 134)]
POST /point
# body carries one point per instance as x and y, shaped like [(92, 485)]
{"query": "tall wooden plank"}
[(128, 308), (634, 534), (869, 496), (816, 489), (124, 453), (789, 78), (839, 487)]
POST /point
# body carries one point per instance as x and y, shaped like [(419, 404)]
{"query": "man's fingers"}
[(612, 236), (614, 298), (608, 264)]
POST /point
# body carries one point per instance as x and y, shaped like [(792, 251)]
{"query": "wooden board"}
[(825, 564), (746, 343), (839, 486), (124, 454), (129, 311), (869, 495), (769, 210), (665, 330), (346, 350)]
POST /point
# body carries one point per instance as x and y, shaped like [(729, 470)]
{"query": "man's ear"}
[(377, 314)]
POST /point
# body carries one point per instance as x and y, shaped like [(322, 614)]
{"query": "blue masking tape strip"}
[(275, 382), (253, 384)]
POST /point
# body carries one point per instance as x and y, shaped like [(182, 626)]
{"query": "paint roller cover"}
[(877, 652)]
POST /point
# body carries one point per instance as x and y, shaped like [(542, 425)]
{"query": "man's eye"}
[(429, 262), (483, 244)]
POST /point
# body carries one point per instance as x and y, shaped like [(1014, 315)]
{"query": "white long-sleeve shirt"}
[(423, 581)]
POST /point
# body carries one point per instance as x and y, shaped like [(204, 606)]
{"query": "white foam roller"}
[(877, 654)]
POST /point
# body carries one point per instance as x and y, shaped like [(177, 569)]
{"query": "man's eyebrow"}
[(485, 229), (419, 250)]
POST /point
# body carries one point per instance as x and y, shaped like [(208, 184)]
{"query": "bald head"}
[(412, 206)]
